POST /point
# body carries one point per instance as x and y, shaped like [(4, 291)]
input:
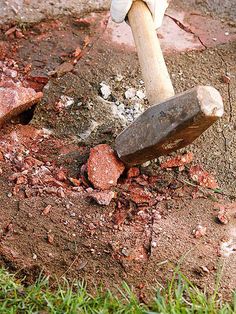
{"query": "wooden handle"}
[(155, 74)]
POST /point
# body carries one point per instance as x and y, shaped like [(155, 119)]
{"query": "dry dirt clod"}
[(104, 168)]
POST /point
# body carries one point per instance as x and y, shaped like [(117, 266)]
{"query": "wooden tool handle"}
[(155, 74)]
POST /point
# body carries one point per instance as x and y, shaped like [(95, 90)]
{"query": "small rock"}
[(102, 197), (205, 269), (154, 244), (130, 93), (46, 210), (125, 252), (104, 168), (105, 90), (199, 231), (50, 238)]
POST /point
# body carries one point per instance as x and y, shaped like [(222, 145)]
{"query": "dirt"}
[(147, 230)]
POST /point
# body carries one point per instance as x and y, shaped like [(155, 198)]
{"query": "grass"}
[(179, 298)]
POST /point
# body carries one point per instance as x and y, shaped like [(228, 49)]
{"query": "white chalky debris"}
[(105, 90), (130, 93), (140, 94), (129, 112), (66, 101)]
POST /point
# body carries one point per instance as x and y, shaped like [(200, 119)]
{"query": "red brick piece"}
[(202, 177), (14, 99), (133, 172), (178, 161), (104, 168), (102, 197)]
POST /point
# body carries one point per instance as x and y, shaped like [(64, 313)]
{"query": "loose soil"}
[(140, 242)]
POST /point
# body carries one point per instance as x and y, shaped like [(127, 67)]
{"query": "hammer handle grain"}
[(155, 74)]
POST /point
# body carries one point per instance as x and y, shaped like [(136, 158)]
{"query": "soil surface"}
[(48, 221)]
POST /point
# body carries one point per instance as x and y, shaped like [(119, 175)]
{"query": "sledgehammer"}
[(173, 121)]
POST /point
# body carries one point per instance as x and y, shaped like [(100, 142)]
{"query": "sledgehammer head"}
[(170, 125)]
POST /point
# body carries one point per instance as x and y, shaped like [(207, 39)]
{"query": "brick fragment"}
[(104, 168), (14, 99)]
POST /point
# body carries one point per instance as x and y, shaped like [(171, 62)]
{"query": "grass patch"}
[(180, 297)]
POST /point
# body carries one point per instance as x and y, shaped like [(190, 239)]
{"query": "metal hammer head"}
[(170, 125)]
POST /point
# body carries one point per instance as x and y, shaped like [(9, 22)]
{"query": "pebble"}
[(154, 244)]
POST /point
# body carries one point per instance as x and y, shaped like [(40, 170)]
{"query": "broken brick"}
[(102, 197), (104, 168), (178, 161), (140, 196), (202, 177), (15, 99), (133, 172)]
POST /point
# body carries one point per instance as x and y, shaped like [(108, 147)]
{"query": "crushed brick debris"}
[(202, 177), (141, 196), (104, 168), (14, 99), (133, 172), (102, 197), (178, 161), (199, 231)]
